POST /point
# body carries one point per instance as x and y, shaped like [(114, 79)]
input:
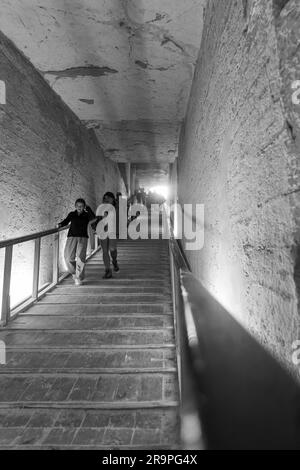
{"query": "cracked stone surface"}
[(240, 157), (116, 62), (151, 141), (103, 378)]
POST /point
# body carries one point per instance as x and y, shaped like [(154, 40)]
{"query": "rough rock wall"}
[(239, 155), (287, 22), (47, 158)]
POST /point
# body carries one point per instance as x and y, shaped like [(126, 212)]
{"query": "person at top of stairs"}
[(76, 244), (106, 230)]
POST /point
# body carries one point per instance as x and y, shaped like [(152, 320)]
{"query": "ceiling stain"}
[(87, 101), (141, 64), (88, 71), (124, 67)]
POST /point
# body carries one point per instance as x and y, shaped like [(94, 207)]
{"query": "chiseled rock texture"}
[(239, 155), (48, 158), (124, 67)]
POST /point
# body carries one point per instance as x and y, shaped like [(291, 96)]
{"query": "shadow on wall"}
[(239, 158), (249, 401)]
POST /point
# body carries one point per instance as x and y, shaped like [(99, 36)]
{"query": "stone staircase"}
[(95, 366)]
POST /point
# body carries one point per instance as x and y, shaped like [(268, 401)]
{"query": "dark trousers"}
[(109, 246)]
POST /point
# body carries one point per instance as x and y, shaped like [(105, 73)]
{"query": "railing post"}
[(5, 311), (56, 258), (36, 268)]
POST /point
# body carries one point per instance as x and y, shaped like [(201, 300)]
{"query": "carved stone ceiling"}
[(125, 67)]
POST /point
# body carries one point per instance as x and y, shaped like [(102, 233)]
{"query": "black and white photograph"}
[(149, 229)]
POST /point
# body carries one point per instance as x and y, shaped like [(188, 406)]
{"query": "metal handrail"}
[(30, 237), (7, 245), (191, 433), (249, 400), (232, 390)]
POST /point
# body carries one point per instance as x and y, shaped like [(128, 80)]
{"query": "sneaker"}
[(78, 282), (108, 274), (116, 267)]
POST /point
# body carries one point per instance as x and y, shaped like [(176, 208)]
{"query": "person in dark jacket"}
[(76, 245)]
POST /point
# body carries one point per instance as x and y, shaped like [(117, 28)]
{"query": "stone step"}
[(30, 322), (159, 264), (100, 347), (140, 263), (108, 361), (96, 371), (122, 275), (113, 293), (80, 390), (94, 366), (137, 264), (148, 243), (137, 253), (133, 281), (150, 282), (130, 275), (146, 248), (136, 256), (97, 309), (34, 428), (146, 252), (138, 267), (96, 290), (152, 271), (85, 339), (88, 405), (139, 257), (134, 250), (97, 299)]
